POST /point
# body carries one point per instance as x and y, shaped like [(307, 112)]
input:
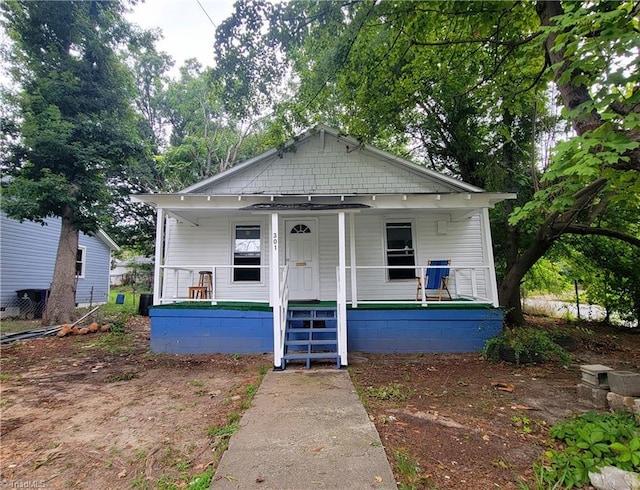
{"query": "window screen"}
[(246, 251), (400, 250), (80, 261)]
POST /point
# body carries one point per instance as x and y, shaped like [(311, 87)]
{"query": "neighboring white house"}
[(27, 259), (326, 219), (131, 271)]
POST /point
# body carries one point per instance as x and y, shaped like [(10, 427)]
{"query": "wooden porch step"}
[(311, 342), (308, 356), (312, 330), (312, 314), (311, 355)]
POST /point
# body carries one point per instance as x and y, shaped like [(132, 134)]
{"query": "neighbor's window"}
[(246, 251), (400, 250), (81, 258)]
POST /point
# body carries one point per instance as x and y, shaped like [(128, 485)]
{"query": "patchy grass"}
[(113, 343), (409, 471), (128, 376), (392, 391), (15, 325)]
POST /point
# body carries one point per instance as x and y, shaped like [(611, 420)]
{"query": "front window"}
[(246, 251), (400, 251), (81, 258)]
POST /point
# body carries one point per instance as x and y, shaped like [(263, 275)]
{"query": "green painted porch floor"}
[(245, 306)]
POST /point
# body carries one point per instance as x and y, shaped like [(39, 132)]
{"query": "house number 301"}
[(275, 241)]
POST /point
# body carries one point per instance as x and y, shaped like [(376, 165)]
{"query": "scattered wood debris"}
[(508, 387)]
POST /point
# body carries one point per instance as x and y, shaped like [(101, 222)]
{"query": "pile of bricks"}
[(607, 388)]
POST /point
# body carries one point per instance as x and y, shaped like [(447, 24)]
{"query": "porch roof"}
[(315, 202)]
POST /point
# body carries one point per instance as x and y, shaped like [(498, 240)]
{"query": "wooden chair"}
[(204, 287), (436, 276)]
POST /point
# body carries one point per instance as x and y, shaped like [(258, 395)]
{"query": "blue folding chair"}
[(436, 277)]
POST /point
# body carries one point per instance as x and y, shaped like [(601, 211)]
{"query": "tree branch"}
[(485, 40), (577, 229)]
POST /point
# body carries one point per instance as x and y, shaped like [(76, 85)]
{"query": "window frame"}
[(403, 276), (234, 229), (82, 262)]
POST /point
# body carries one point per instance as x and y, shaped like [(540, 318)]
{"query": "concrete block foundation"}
[(595, 375), (596, 396), (620, 403), (625, 383)]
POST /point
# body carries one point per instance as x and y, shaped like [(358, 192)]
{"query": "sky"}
[(188, 31)]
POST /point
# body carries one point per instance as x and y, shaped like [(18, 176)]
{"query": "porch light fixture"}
[(468, 196), (373, 198), (404, 198), (182, 198), (438, 197), (309, 198), (208, 198), (239, 198)]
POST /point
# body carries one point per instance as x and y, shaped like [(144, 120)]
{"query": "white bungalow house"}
[(312, 250)]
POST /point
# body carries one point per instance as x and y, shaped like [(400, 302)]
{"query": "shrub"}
[(526, 343)]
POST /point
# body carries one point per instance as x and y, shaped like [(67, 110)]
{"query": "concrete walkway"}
[(306, 430)]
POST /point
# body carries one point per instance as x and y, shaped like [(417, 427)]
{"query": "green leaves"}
[(627, 453), (590, 441), (77, 130)]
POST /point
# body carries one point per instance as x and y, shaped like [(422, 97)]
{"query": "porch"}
[(312, 330), (316, 257), (247, 328)]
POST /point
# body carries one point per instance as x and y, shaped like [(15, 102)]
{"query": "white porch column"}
[(488, 254), (342, 292), (274, 290), (352, 246), (158, 275)]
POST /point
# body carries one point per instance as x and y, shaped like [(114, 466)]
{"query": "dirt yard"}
[(100, 411)]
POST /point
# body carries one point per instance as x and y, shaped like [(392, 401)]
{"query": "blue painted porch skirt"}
[(429, 330)]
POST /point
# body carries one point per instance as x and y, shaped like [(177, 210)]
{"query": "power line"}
[(205, 13)]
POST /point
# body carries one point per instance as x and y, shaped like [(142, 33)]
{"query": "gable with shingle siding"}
[(327, 165)]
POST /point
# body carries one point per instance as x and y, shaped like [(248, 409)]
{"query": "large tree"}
[(77, 128), (462, 85), (205, 137), (592, 51)]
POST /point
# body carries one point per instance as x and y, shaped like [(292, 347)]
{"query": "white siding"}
[(462, 244), (28, 256), (210, 244), (207, 245), (334, 169)]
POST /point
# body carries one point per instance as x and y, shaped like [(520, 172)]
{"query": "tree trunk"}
[(513, 300), (61, 305), (509, 290), (572, 95)]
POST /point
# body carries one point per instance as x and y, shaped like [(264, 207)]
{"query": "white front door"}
[(302, 257)]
